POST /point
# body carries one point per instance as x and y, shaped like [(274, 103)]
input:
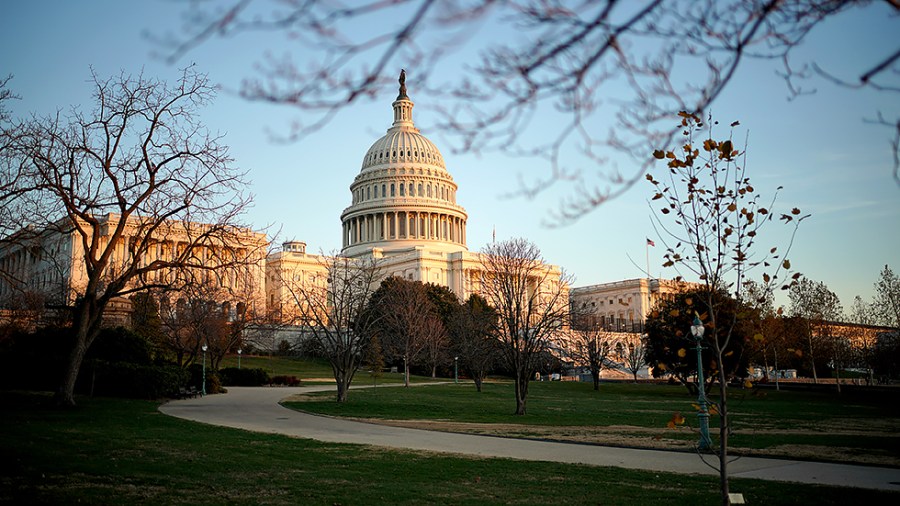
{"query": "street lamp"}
[(455, 370), (203, 385), (697, 330), (239, 357)]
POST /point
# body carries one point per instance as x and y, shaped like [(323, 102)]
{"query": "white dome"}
[(403, 196), (403, 145)]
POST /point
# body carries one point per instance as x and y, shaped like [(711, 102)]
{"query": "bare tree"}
[(206, 313), (136, 174), (407, 320), (864, 338), (531, 300), (589, 346), (332, 310), (633, 354), (716, 217), (567, 58), (472, 334), (819, 307), (887, 298)]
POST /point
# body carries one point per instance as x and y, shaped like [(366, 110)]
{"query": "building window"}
[(383, 194), (392, 189), (402, 190)]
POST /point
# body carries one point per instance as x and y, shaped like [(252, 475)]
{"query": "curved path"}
[(257, 409)]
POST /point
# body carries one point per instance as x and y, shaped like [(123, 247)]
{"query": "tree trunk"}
[(433, 372), (342, 387), (405, 373), (595, 375), (521, 393), (87, 319), (478, 380), (812, 356), (777, 384), (723, 435)]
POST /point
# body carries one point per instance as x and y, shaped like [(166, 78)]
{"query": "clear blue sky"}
[(831, 163)]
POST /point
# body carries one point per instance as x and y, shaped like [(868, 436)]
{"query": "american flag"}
[(650, 243)]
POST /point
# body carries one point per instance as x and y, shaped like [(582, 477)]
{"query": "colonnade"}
[(404, 225)]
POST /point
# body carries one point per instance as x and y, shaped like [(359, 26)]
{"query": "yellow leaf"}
[(758, 338), (748, 384), (689, 301), (661, 366), (682, 353), (678, 419), (713, 409), (674, 312), (670, 425), (730, 353), (696, 406)]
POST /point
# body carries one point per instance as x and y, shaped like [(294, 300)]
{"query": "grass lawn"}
[(311, 371), (111, 451), (851, 427)]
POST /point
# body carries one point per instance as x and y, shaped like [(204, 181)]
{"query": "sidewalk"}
[(257, 409)]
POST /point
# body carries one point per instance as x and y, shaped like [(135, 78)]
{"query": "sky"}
[(830, 161)]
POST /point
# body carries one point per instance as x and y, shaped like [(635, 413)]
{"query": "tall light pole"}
[(203, 384), (697, 330), (455, 370), (239, 357)]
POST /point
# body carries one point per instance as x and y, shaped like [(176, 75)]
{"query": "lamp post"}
[(203, 384), (239, 357), (455, 370), (697, 330)]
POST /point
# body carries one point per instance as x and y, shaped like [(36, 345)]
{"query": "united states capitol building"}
[(403, 214)]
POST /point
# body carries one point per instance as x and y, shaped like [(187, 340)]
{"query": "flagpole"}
[(647, 250)]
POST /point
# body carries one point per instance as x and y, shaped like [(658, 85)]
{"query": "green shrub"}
[(232, 376), (123, 379), (120, 345)]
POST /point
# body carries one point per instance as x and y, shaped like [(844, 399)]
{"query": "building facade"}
[(622, 306), (50, 264)]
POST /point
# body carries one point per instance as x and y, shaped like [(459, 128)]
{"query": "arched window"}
[(429, 191), (376, 191), (411, 190), (368, 193), (420, 190), (402, 190), (392, 190), (383, 194)]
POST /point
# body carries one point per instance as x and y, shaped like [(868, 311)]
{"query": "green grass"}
[(762, 422), (311, 371), (125, 452)]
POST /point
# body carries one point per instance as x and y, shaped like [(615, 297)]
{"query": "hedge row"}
[(232, 376)]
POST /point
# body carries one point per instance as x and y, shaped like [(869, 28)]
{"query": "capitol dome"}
[(403, 196)]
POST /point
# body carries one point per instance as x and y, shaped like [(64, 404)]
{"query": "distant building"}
[(49, 264), (622, 306)]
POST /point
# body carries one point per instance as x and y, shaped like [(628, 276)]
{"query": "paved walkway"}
[(257, 409)]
